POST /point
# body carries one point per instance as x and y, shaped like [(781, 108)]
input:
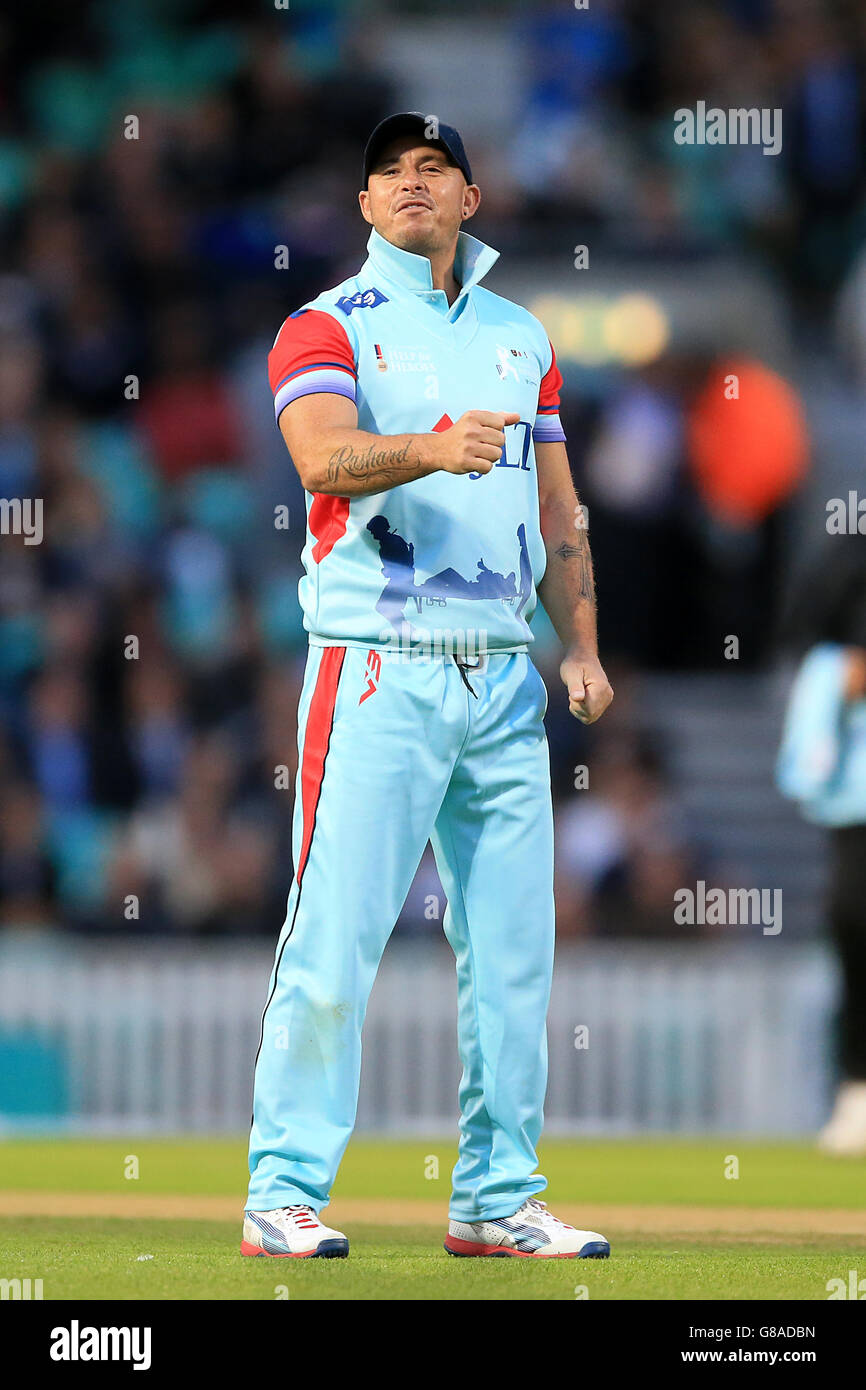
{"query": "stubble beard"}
[(421, 242)]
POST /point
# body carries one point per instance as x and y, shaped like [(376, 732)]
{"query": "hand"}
[(589, 692), (474, 443)]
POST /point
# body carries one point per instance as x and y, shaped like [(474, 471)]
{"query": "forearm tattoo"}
[(585, 578), (373, 465)]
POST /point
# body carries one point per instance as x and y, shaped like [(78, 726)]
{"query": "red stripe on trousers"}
[(327, 522), (317, 736)]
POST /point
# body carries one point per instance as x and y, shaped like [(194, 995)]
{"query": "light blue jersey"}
[(445, 554), (822, 759)]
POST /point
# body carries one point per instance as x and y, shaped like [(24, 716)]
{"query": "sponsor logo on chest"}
[(363, 299)]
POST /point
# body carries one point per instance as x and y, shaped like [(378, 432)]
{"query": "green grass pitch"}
[(680, 1229)]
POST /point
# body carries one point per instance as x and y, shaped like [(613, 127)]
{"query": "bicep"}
[(306, 418)]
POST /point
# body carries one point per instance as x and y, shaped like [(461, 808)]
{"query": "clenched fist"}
[(474, 443), (589, 691)]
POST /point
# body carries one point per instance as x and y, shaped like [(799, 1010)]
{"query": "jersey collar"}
[(472, 261)]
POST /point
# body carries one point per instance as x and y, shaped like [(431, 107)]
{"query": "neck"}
[(442, 269)]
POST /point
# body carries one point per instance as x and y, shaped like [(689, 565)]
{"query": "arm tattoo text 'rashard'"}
[(372, 464), (586, 583)]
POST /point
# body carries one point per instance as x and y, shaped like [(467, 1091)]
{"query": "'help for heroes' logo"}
[(364, 299)]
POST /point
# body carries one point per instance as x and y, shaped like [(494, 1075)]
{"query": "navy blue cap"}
[(415, 122)]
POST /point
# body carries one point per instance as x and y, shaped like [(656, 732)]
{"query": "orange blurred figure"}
[(748, 442)]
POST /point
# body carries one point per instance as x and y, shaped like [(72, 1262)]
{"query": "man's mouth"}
[(414, 205)]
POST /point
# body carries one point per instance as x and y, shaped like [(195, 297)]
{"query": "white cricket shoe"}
[(845, 1131), (293, 1232), (532, 1232)]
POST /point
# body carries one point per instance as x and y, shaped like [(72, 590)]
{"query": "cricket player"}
[(422, 414)]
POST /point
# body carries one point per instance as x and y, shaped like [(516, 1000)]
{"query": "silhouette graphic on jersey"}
[(525, 573), (398, 566)]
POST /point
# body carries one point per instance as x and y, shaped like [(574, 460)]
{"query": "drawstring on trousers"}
[(463, 667)]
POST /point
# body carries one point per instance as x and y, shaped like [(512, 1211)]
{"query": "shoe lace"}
[(536, 1205), (302, 1216)]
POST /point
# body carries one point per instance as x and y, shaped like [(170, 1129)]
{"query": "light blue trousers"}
[(394, 752)]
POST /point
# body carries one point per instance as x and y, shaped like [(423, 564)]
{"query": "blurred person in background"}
[(822, 765), (747, 453), (691, 465), (27, 875), (622, 852), (187, 415), (197, 859), (631, 481)]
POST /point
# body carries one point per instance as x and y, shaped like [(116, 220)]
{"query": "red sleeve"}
[(551, 385), (312, 352), (548, 426)]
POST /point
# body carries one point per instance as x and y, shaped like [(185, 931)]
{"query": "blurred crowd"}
[(153, 157)]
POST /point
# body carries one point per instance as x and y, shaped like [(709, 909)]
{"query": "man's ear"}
[(471, 200), (364, 200)]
